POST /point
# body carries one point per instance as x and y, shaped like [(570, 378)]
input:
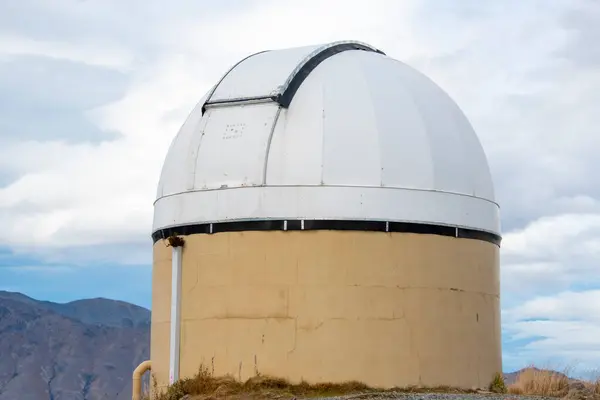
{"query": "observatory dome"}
[(334, 210), (335, 132)]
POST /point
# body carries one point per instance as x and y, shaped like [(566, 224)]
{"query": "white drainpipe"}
[(175, 315)]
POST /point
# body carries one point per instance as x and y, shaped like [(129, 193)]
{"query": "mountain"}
[(82, 350), (97, 311)]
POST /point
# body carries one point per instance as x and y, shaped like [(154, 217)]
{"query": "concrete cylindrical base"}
[(386, 309)]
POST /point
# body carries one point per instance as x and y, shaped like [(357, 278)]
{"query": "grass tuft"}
[(541, 382), (497, 385)]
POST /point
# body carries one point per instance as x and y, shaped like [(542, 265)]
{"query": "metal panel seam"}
[(203, 124), (332, 186), (417, 109), (225, 75), (268, 150)]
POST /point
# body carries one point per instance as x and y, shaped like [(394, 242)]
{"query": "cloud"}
[(98, 193), (582, 21), (561, 329), (552, 253), (552, 237), (46, 99), (90, 53), (566, 306), (551, 291), (42, 269)]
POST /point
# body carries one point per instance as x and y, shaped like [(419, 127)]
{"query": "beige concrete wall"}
[(387, 309)]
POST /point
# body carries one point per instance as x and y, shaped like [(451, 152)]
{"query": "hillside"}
[(85, 349)]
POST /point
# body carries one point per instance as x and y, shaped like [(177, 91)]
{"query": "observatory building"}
[(339, 223)]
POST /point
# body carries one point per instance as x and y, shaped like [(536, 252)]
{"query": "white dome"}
[(334, 132)]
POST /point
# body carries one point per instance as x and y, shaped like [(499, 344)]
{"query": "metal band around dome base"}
[(334, 225)]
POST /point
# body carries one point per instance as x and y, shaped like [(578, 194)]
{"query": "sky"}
[(93, 91)]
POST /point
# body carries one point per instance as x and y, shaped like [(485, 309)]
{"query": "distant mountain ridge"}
[(96, 311), (85, 349)]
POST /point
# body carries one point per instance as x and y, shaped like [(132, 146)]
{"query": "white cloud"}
[(43, 269), (94, 54), (552, 253), (565, 327), (555, 257), (551, 236), (100, 193), (565, 306)]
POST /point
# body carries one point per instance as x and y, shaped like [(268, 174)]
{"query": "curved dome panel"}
[(334, 132), (276, 75), (367, 120)]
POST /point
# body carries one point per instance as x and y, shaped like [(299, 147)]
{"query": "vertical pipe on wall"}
[(175, 315)]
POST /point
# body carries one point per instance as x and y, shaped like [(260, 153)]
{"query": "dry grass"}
[(594, 386), (545, 382), (204, 386), (541, 382)]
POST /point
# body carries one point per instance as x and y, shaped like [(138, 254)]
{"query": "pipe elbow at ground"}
[(137, 378)]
